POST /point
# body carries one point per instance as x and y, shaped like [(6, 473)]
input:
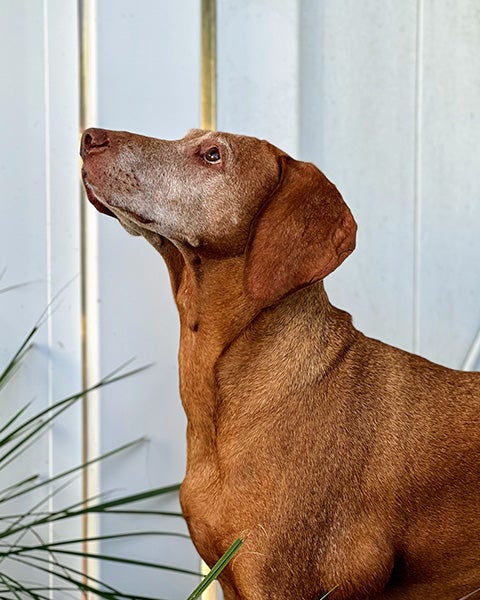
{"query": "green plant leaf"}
[(19, 433), (15, 586), (17, 357), (67, 569), (105, 506), (216, 569), (123, 561), (328, 593), (158, 513), (73, 511), (17, 485), (49, 545), (15, 417), (78, 468), (53, 411), (78, 584)]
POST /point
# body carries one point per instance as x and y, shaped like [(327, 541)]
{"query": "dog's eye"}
[(212, 155)]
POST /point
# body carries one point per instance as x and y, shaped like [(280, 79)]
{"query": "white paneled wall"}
[(384, 96), (358, 126), (39, 241), (449, 198), (149, 83), (258, 70), (400, 138)]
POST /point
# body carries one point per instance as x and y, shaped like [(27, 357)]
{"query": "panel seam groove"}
[(417, 225)]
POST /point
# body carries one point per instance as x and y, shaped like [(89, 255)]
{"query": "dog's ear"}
[(301, 234)]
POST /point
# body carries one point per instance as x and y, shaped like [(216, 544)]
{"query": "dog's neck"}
[(214, 312)]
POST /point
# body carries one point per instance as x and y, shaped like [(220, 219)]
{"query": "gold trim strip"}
[(208, 120), (208, 98)]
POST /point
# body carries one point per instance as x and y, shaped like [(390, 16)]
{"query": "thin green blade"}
[(216, 569)]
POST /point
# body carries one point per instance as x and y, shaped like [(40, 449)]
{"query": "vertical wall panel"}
[(39, 241), (357, 124), (258, 70), (62, 166), (450, 162), (23, 241), (149, 83)]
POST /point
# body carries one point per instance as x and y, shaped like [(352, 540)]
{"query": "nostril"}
[(87, 142), (94, 140)]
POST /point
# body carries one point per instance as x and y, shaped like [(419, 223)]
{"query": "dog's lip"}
[(94, 199), (136, 218)]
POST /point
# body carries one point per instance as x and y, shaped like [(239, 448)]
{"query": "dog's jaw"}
[(94, 199)]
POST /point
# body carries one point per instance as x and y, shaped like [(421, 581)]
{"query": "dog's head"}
[(222, 195)]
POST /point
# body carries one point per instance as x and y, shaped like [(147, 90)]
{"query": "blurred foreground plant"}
[(23, 532)]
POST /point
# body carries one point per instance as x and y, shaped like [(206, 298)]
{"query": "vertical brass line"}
[(208, 120), (83, 111), (208, 99), (88, 269)]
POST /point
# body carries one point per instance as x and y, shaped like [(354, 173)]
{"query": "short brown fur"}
[(342, 461)]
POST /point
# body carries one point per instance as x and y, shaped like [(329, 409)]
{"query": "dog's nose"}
[(93, 141)]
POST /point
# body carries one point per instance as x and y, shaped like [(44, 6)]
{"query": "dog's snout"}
[(93, 141)]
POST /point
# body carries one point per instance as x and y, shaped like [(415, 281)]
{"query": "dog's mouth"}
[(93, 198)]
